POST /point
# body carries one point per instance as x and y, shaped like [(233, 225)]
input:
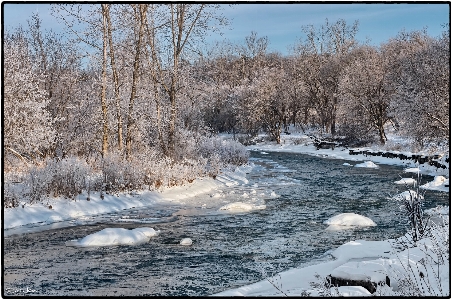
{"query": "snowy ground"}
[(355, 259)]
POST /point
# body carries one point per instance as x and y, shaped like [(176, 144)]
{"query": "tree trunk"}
[(103, 92), (159, 126), (333, 129), (382, 136), (171, 133), (140, 19), (115, 79)]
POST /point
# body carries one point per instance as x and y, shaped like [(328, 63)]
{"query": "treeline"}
[(332, 83), (129, 90)]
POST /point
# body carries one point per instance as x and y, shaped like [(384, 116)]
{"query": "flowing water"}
[(229, 249)]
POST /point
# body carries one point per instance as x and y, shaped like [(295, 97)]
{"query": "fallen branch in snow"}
[(276, 287)]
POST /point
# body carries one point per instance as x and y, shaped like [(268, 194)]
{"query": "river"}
[(229, 249)]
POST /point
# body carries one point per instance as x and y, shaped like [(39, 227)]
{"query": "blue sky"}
[(282, 23)]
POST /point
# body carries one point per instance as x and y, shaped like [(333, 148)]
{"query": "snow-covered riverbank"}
[(360, 260), (78, 209), (300, 143)]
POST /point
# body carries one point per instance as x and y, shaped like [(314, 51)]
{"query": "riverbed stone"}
[(368, 274), (339, 282)]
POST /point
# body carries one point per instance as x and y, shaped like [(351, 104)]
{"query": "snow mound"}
[(439, 210), (360, 249), (416, 170), (439, 183), (347, 164), (186, 242), (350, 219), (406, 181), (241, 207), (367, 164), (115, 236), (408, 195)]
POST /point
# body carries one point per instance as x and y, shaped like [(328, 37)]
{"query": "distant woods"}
[(333, 84), (132, 78)]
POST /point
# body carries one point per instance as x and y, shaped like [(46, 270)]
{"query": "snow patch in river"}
[(440, 183), (186, 242), (367, 164), (406, 181), (348, 219), (116, 236), (241, 207)]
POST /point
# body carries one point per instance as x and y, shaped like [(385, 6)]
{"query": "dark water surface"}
[(229, 250)]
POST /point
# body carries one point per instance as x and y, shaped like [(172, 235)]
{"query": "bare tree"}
[(323, 51), (140, 16), (115, 75), (94, 29), (27, 124), (104, 83), (366, 88), (421, 103), (179, 26)]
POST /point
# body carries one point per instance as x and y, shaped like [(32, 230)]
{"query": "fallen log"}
[(365, 282)]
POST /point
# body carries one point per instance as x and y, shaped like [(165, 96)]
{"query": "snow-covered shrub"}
[(246, 139), (158, 171), (323, 287), (228, 151), (186, 145), (184, 172), (66, 177), (12, 193), (355, 134), (391, 145), (423, 268), (412, 204), (423, 260), (195, 149), (300, 141), (122, 175), (13, 187), (148, 170)]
